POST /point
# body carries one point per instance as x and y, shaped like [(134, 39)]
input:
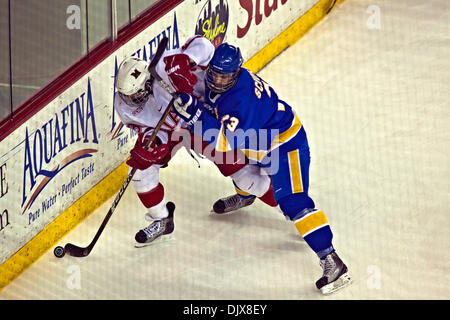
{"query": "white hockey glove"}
[(188, 108)]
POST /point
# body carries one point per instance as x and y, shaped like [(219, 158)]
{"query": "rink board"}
[(87, 138)]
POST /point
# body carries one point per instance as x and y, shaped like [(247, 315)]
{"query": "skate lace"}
[(328, 266), (232, 201), (152, 229)]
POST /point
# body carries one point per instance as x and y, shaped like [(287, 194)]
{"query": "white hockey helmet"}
[(133, 81)]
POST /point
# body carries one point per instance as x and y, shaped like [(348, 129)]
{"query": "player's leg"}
[(228, 164), (151, 194), (203, 137), (291, 182), (250, 182), (233, 202)]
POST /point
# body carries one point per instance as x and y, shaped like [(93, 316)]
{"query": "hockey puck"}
[(59, 252)]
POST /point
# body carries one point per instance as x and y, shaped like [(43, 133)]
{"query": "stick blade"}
[(76, 251)]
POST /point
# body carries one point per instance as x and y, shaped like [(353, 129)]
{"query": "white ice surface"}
[(376, 107)]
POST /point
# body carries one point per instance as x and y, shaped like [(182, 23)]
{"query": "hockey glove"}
[(142, 158), (144, 136), (178, 69), (188, 108)]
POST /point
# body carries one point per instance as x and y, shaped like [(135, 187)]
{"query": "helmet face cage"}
[(220, 82), (138, 98)]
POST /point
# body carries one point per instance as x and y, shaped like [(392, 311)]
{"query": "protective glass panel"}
[(98, 21), (138, 6), (5, 105), (45, 41), (123, 12)]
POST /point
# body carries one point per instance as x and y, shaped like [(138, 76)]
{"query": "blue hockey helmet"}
[(224, 67)]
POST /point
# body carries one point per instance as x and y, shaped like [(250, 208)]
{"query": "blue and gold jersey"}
[(252, 117)]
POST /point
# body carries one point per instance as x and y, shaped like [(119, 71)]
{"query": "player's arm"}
[(142, 158), (237, 128), (179, 65), (178, 69), (189, 108), (199, 49)]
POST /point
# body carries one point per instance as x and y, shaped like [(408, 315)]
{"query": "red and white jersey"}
[(200, 50), (147, 116)]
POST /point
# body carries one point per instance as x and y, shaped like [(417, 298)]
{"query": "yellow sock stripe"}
[(242, 193), (311, 222), (295, 172)]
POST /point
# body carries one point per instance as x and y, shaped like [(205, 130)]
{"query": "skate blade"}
[(224, 213), (160, 240), (216, 213), (340, 283)]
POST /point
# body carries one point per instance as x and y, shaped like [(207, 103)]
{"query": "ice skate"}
[(232, 203), (156, 229), (335, 274)]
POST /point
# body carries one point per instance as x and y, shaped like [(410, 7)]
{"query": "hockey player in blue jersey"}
[(253, 118)]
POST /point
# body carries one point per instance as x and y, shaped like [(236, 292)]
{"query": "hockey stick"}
[(162, 83), (77, 251)]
